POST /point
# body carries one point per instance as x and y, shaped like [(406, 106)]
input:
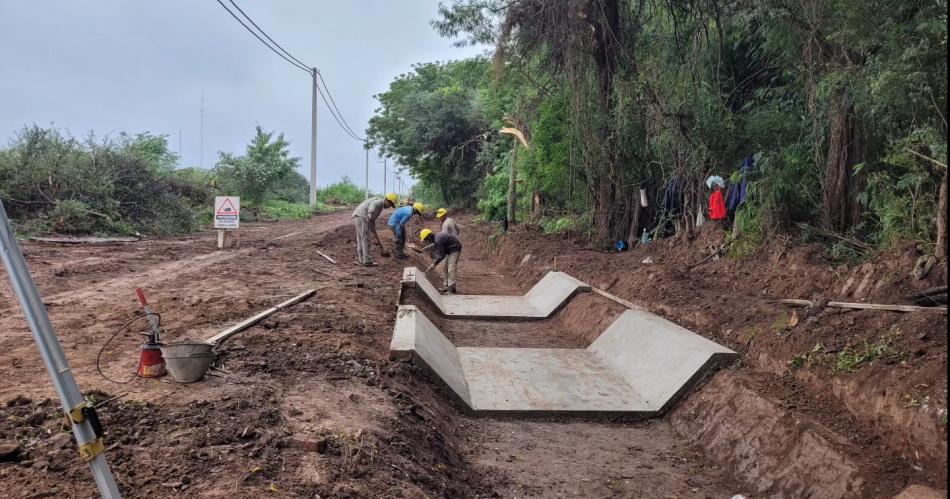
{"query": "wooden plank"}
[(324, 255), (868, 306), (86, 240), (237, 328), (616, 299)]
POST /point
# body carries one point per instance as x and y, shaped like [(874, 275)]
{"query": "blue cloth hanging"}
[(737, 193)]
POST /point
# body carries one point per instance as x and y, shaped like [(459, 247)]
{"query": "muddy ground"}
[(307, 403)]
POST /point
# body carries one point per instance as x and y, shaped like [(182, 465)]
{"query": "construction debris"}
[(867, 306), (223, 336), (930, 296), (86, 240), (324, 255)]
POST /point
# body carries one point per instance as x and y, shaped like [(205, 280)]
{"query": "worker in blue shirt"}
[(398, 221)]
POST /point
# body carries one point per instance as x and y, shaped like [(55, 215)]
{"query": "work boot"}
[(402, 257), (371, 264), (451, 290)]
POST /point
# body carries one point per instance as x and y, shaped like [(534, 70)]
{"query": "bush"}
[(72, 217), (342, 193), (49, 179), (558, 225), (279, 209)]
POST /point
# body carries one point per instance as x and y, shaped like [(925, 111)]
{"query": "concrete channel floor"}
[(638, 367), (540, 302)]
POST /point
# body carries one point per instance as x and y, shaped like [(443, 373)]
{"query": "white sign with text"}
[(227, 212)]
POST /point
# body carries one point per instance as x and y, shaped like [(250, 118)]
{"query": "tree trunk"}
[(941, 251), (836, 190), (513, 187), (603, 209), (537, 204), (636, 213)]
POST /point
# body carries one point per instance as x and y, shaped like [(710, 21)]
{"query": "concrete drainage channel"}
[(638, 367), (566, 349)]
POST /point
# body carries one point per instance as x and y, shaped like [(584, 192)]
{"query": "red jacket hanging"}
[(717, 205)]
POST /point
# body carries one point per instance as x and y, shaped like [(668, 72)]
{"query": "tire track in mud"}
[(99, 301)]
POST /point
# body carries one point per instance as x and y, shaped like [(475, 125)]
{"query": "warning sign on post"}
[(227, 212)]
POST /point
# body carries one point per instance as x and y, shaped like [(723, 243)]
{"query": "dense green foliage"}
[(50, 181), (265, 163), (342, 193), (431, 120), (841, 103)]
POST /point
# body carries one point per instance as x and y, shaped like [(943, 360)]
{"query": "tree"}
[(266, 161), (433, 121), (823, 93)]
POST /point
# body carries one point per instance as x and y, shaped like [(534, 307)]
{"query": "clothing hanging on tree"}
[(739, 190), (714, 181), (673, 198), (717, 205)]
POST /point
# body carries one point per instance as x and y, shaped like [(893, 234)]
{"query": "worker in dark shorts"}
[(447, 247)]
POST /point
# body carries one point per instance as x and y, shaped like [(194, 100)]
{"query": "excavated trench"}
[(564, 456), (733, 433)]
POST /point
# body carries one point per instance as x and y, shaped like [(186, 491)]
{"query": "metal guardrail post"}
[(84, 421)]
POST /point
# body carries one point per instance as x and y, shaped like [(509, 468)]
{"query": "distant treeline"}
[(53, 182)]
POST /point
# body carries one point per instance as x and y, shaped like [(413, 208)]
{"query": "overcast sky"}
[(110, 66)]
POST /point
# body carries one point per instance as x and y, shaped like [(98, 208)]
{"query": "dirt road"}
[(308, 403)]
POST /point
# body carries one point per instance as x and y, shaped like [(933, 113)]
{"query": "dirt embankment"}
[(861, 395)]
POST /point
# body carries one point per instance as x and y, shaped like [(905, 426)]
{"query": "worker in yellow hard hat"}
[(447, 247), (364, 218), (447, 223), (398, 221)]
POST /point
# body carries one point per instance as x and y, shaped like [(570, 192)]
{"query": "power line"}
[(330, 95), (268, 37), (302, 67), (337, 118), (297, 63)]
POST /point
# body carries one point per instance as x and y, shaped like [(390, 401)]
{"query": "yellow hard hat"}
[(424, 234), (392, 198), (421, 208), (441, 213)]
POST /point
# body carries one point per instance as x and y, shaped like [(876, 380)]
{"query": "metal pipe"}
[(51, 351)]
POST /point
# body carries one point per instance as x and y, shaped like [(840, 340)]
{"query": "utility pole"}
[(385, 167), (202, 129), (81, 414), (313, 141), (179, 148), (367, 172)]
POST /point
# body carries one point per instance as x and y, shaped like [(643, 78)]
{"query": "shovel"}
[(382, 250)]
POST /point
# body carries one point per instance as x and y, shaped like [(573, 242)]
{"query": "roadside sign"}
[(227, 212)]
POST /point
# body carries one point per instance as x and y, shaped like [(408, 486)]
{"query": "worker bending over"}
[(448, 248), (447, 223), (398, 221), (364, 218)]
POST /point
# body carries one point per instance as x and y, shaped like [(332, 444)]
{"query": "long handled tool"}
[(382, 249), (81, 414)]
